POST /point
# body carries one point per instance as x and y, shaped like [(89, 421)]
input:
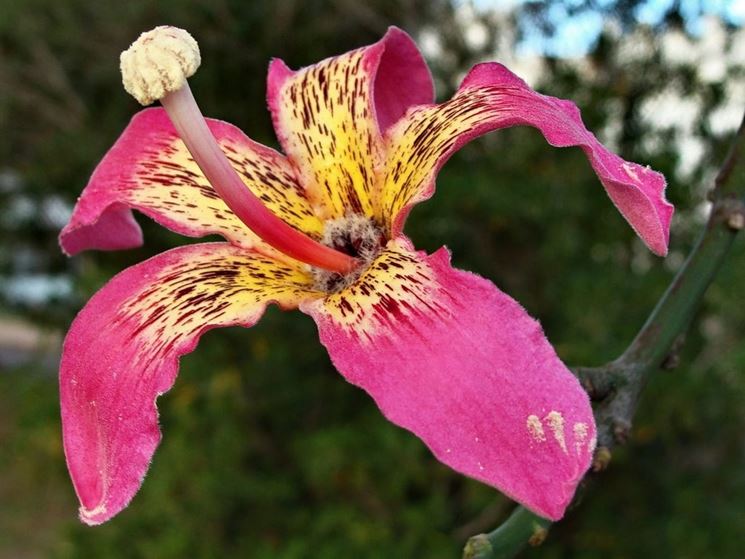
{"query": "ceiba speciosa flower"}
[(443, 352)]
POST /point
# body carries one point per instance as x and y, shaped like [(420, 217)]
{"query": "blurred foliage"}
[(267, 452)]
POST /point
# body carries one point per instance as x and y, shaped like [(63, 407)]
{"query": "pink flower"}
[(443, 352)]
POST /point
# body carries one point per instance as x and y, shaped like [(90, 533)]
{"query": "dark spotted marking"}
[(381, 303), (190, 204), (326, 115), (219, 285)]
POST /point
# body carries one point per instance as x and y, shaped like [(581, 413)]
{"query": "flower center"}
[(356, 235)]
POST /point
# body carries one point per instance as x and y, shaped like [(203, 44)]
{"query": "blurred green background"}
[(267, 452)]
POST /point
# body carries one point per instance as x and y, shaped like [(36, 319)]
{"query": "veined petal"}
[(492, 97), (123, 348), (150, 169), (329, 116), (448, 356)]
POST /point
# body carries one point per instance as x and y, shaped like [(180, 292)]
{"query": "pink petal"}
[(492, 97), (398, 73), (123, 348), (402, 79), (329, 116), (448, 356), (113, 229), (149, 169)]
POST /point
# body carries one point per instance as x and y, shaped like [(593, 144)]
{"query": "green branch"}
[(521, 528), (618, 385)]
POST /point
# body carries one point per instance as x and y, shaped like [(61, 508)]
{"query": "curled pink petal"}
[(149, 169), (402, 78), (448, 356), (123, 348), (114, 228), (329, 116), (492, 97)]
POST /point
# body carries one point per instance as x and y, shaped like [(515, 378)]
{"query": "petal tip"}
[(94, 516), (64, 246), (553, 513), (277, 75), (114, 228), (660, 250), (486, 73), (402, 77), (395, 33)]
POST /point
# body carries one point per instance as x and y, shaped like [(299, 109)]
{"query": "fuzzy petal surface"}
[(329, 116), (123, 349), (492, 97), (449, 357), (150, 169)]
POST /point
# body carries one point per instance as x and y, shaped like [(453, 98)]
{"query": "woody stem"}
[(193, 130)]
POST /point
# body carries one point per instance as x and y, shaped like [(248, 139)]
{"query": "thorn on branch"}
[(598, 382), (589, 386), (671, 361), (621, 430), (730, 162), (673, 357), (729, 210), (477, 546), (539, 536), (601, 459), (736, 220)]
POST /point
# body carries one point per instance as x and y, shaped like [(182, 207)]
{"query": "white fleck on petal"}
[(556, 424), (535, 428), (580, 436), (593, 443), (630, 171)]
